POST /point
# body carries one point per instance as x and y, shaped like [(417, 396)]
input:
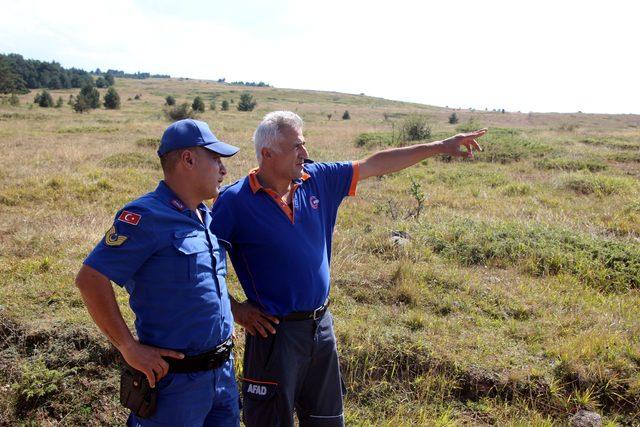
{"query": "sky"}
[(542, 56)]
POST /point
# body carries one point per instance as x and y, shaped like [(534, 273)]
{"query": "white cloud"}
[(542, 56)]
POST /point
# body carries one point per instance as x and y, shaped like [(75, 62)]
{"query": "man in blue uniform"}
[(161, 249), (277, 224)]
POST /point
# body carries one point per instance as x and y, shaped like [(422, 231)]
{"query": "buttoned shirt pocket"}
[(193, 244)]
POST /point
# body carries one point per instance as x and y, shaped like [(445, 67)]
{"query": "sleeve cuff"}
[(354, 178)]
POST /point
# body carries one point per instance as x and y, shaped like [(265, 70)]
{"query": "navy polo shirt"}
[(282, 255), (173, 269)]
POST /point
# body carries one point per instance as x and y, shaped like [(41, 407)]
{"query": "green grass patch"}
[(376, 139), (130, 160), (626, 157), (603, 264), (89, 129), (600, 185), (148, 143), (502, 145), (565, 164)]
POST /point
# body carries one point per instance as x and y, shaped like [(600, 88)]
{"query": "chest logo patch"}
[(112, 238), (130, 217), (314, 202)]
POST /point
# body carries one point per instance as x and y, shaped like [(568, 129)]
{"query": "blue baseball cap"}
[(193, 133)]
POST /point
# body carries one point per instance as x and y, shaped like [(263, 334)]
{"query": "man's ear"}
[(266, 153), (188, 158)]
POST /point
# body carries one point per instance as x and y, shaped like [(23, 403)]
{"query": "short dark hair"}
[(169, 160)]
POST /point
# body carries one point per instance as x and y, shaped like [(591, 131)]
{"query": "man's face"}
[(289, 158), (209, 172)]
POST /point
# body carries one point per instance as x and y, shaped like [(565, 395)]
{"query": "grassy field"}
[(512, 296)]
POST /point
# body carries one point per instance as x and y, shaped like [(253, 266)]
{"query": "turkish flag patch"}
[(130, 217)]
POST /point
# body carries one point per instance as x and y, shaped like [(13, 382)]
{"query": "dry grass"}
[(465, 329)]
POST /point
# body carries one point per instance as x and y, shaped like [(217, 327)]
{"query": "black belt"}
[(308, 315), (208, 361)]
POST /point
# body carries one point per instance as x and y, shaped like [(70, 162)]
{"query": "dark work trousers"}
[(296, 368)]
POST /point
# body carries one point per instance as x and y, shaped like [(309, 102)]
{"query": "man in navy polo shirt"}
[(161, 249), (277, 224)]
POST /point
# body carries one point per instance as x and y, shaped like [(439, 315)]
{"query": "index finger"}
[(477, 133), (170, 353)]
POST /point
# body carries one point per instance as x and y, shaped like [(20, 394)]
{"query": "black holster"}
[(135, 392)]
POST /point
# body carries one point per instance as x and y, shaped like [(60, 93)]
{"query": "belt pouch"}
[(136, 394)]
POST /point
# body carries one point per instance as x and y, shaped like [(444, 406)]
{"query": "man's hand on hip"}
[(252, 319), (149, 361)]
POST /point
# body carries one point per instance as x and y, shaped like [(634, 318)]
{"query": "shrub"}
[(90, 95), (109, 79), (80, 104), (101, 82), (14, 101), (346, 115), (414, 128), (59, 102), (225, 105), (44, 99), (453, 118), (197, 104), (137, 97), (170, 100), (246, 103), (179, 112), (212, 105), (111, 99)]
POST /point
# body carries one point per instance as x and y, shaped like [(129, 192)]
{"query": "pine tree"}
[(246, 102), (198, 104), (111, 99)]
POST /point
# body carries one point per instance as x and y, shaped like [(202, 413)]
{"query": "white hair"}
[(269, 131)]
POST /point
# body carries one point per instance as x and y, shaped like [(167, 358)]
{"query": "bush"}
[(101, 82), (80, 104), (225, 105), (170, 100), (90, 95), (111, 99), (213, 106), (414, 128), (14, 101), (246, 102), (59, 102), (198, 104), (453, 119), (179, 112), (346, 115), (44, 99), (109, 79)]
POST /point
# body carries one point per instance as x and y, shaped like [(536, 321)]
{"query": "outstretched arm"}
[(100, 300), (395, 159)]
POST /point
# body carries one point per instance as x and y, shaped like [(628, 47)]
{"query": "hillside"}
[(512, 296)]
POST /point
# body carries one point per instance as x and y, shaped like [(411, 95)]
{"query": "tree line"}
[(18, 75)]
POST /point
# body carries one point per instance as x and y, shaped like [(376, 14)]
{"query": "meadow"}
[(499, 291)]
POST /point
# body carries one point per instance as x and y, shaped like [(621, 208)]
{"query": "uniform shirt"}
[(282, 256), (164, 256)]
